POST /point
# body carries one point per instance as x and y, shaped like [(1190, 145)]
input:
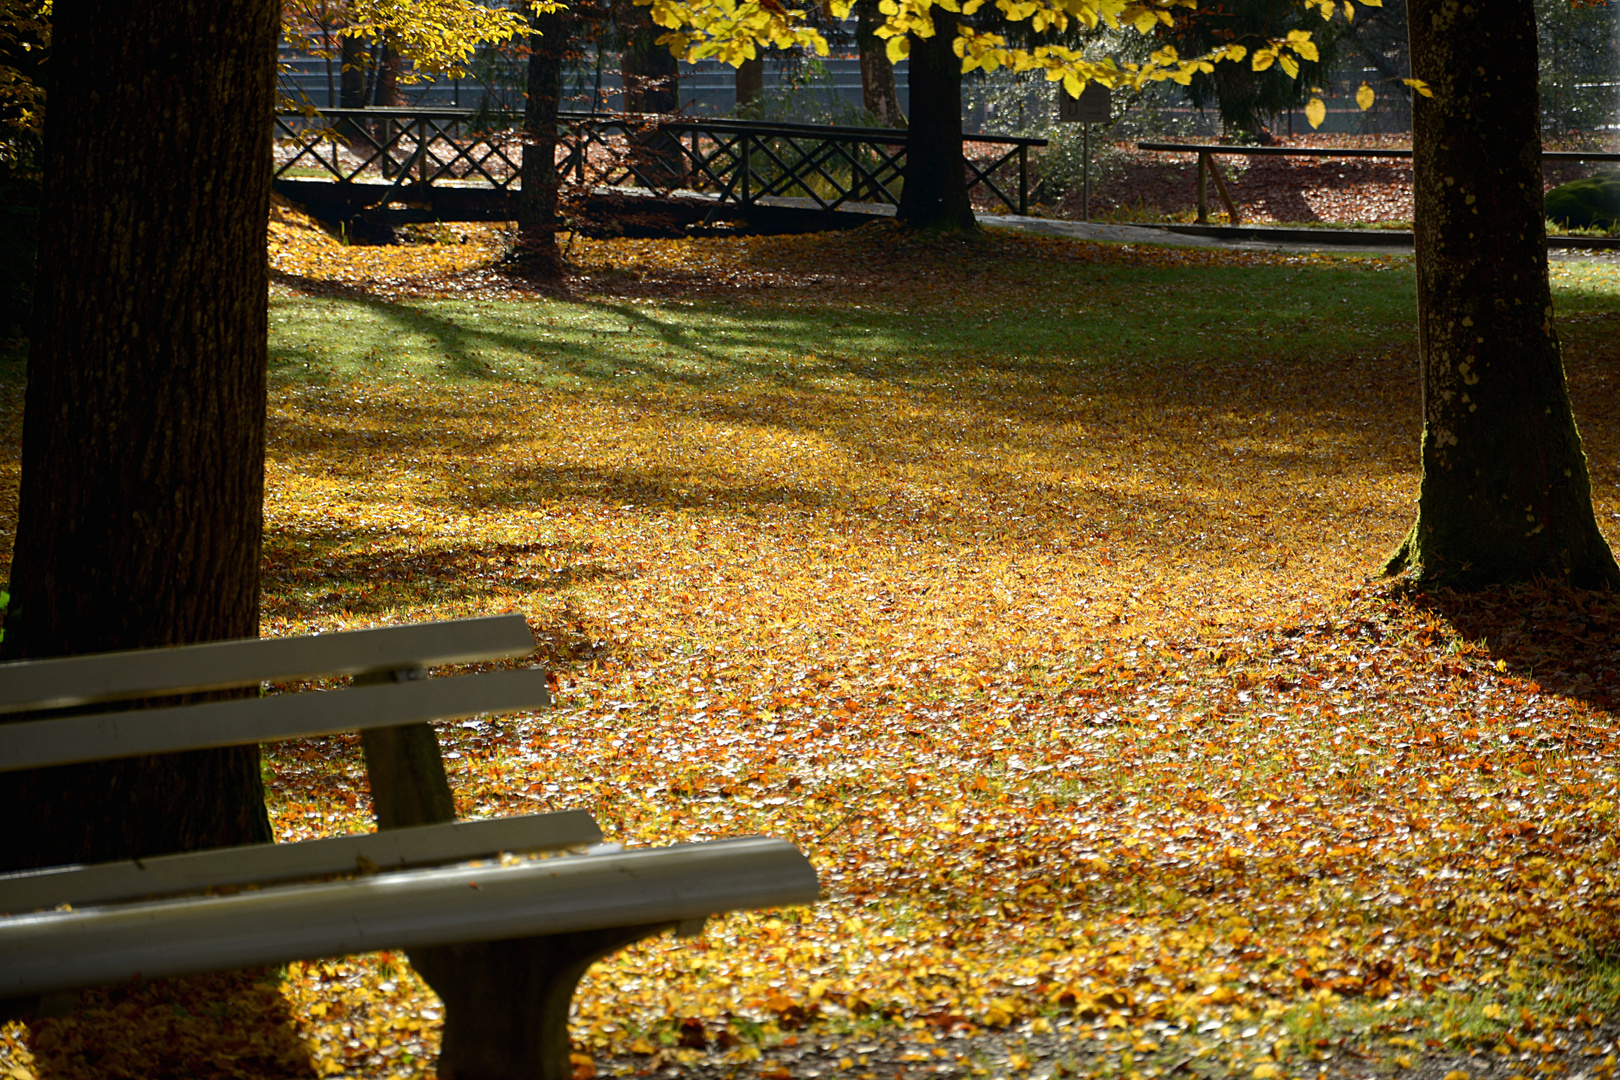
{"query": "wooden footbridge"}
[(394, 166)]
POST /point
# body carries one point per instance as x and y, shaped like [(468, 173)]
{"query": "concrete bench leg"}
[(506, 1002)]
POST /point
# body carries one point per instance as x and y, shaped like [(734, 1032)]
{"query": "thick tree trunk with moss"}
[(935, 194), (143, 434), (537, 253), (878, 95), (1505, 494)]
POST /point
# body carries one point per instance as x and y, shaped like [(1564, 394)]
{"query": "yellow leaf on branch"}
[(1364, 97), (1300, 41), (1316, 112)]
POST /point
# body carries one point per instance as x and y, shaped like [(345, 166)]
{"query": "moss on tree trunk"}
[(1505, 494), (141, 503)]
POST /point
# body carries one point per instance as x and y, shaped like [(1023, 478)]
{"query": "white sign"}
[(1091, 107)]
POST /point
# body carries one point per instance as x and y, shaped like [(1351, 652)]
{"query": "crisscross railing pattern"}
[(739, 161)]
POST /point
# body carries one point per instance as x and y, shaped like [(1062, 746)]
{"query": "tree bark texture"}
[(878, 95), (1505, 493), (935, 193), (537, 218), (143, 438)]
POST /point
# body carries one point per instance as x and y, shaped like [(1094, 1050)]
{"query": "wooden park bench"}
[(503, 940)]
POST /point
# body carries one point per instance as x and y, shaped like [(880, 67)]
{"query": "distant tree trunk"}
[(353, 80), (935, 193), (537, 253), (651, 79), (140, 511), (388, 72), (649, 70), (352, 87), (750, 80), (878, 95), (1505, 494)]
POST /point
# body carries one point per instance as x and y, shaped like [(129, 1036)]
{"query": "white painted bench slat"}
[(393, 849), (53, 951), (218, 665), (37, 743)]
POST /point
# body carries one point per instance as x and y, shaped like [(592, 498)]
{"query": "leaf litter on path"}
[(1063, 673)]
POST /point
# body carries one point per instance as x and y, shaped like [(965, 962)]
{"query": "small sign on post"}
[(1091, 107)]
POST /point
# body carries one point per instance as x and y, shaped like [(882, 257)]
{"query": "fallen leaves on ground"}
[(1064, 674), (1147, 185)]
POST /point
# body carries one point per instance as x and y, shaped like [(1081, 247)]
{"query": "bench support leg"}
[(506, 1002)]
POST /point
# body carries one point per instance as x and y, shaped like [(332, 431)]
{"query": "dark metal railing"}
[(737, 161), (1208, 169)]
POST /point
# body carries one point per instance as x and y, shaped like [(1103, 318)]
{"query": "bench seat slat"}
[(217, 665), (394, 849), (52, 951), (102, 736)]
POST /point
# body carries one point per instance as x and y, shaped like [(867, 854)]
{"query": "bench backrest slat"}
[(394, 849), (32, 744), (219, 665)]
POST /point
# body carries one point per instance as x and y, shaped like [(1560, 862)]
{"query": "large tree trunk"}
[(878, 96), (651, 77), (537, 254), (1505, 494), (143, 437), (935, 193)]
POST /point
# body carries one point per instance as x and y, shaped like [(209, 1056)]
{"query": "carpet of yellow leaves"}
[(1073, 688)]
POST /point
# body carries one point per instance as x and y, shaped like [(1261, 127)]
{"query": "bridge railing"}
[(739, 161)]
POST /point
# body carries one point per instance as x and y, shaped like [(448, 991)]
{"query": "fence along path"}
[(460, 165)]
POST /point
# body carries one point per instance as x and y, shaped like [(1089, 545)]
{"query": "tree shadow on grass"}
[(1566, 641), (305, 573), (231, 1024)]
